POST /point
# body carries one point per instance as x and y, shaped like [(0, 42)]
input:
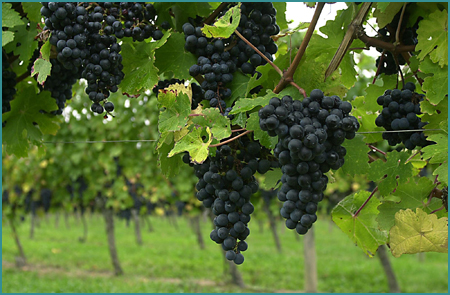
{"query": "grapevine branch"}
[(289, 74), (376, 149), (365, 203), (215, 13), (397, 34), (259, 52), (231, 139)]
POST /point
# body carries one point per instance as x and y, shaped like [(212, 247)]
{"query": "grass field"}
[(171, 261)]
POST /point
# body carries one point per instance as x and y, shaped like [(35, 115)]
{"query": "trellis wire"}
[(153, 140)]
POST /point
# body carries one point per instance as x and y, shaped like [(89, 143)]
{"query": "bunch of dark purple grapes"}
[(400, 112), (310, 134), (226, 183)]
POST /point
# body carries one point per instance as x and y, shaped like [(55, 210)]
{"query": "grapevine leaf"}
[(10, 17), (45, 50), (33, 11), (374, 91), (385, 14), (356, 160), (436, 153), (42, 68), (442, 172), (193, 143), (184, 10), (281, 15), (363, 228), (271, 179), (25, 110), (139, 69), (436, 86), (264, 138), (27, 46), (239, 119), (435, 115), (169, 165), (394, 169), (412, 195), (241, 86), (247, 104), (418, 232), (224, 26), (172, 57), (218, 124), (175, 115), (432, 36), (7, 36), (366, 120)]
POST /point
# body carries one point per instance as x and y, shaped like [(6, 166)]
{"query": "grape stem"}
[(397, 34), (231, 139), (365, 203), (380, 63), (22, 77), (215, 13), (259, 52), (439, 209), (237, 130), (374, 42), (289, 74), (412, 156), (376, 149)]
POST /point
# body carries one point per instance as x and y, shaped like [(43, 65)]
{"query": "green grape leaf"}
[(264, 138), (271, 179), (177, 109), (239, 119), (172, 57), (224, 26), (281, 15), (247, 104), (412, 195), (10, 17), (42, 68), (432, 37), (436, 86), (241, 86), (193, 143), (356, 159), (366, 119), (218, 124), (27, 42), (438, 154), (7, 37), (395, 170), (418, 231), (170, 166), (139, 69), (185, 10), (45, 50), (33, 11), (25, 110), (385, 13), (363, 228)]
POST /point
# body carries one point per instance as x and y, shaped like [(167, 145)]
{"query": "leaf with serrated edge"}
[(436, 86), (356, 159), (247, 104), (385, 14), (10, 17), (177, 110), (218, 124), (7, 37), (411, 194), (264, 138), (432, 36), (418, 231), (271, 179), (193, 143), (394, 168), (172, 57), (223, 28), (42, 68), (362, 229), (25, 109), (32, 10)]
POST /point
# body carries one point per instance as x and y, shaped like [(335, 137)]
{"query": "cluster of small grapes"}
[(197, 91), (310, 134), (219, 58), (226, 183), (400, 112), (85, 36), (139, 20), (408, 37), (8, 85)]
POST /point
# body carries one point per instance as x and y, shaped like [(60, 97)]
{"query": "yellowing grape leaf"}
[(418, 232), (432, 37), (218, 123), (224, 26), (193, 143), (363, 228)]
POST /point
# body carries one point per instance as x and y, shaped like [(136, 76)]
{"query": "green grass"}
[(171, 261)]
